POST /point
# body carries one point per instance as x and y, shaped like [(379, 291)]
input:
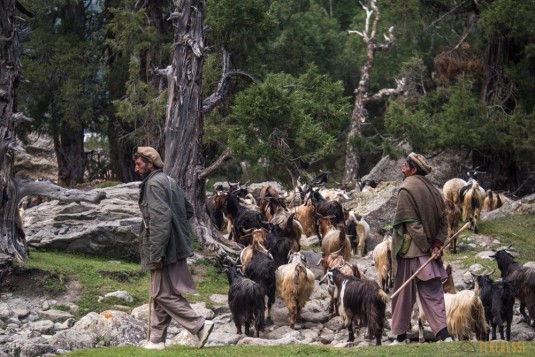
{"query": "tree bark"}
[(69, 147), (10, 51), (184, 124)]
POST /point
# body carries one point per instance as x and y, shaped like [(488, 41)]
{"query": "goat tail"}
[(300, 271)]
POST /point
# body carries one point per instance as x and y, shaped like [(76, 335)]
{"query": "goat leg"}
[(523, 312), (351, 337)]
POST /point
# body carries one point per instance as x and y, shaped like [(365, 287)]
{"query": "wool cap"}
[(151, 154), (420, 161)]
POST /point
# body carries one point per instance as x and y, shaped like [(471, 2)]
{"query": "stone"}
[(72, 340), (55, 315), (5, 312), (122, 295), (113, 327), (108, 229), (42, 326)]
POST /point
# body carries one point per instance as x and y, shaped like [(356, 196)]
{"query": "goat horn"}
[(320, 261)]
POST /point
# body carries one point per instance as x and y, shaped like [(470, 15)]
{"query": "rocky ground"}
[(30, 326)]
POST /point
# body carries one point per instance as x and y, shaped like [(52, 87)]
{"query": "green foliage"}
[(511, 22), (453, 117), (62, 88), (287, 122), (306, 35), (242, 28)]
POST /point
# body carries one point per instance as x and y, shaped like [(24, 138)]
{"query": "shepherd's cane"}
[(430, 259), (150, 308)]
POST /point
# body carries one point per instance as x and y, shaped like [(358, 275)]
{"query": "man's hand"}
[(436, 249), (159, 265), (436, 253)]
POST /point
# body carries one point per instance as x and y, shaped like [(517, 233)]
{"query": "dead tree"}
[(10, 51), (185, 116), (362, 96)]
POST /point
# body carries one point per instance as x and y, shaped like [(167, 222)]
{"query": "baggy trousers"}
[(167, 287), (430, 293)]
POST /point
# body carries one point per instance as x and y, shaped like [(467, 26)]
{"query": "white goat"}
[(382, 256), (295, 283)]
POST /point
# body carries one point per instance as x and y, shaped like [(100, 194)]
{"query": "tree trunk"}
[(358, 116), (10, 50), (184, 125), (69, 146)]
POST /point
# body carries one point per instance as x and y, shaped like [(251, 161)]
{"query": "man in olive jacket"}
[(165, 244)]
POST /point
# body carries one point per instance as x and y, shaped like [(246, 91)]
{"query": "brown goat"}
[(493, 200), (257, 245), (335, 241), (305, 214), (472, 203)]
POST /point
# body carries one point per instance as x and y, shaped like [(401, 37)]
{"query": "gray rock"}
[(200, 308), (44, 327), (123, 295), (485, 254), (522, 332), (5, 312), (55, 315), (113, 327), (108, 229), (73, 339), (223, 339), (219, 299)]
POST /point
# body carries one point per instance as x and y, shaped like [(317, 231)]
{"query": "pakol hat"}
[(420, 161), (151, 154)]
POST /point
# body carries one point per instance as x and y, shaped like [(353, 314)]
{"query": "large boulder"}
[(115, 328), (108, 229), (39, 159)]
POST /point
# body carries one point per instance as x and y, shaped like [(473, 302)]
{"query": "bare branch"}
[(20, 117), (215, 98), (225, 155), (55, 192)]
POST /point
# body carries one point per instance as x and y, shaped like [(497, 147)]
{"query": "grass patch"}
[(52, 271), (518, 230), (96, 277), (413, 350)]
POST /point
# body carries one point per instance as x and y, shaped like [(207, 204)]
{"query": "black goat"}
[(362, 303), (278, 245), (246, 302), (498, 298), (523, 279), (326, 209), (320, 180), (262, 269), (242, 219)]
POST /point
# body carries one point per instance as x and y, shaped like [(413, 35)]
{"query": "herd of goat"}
[(270, 226)]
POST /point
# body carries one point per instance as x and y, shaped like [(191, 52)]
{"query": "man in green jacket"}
[(165, 244)]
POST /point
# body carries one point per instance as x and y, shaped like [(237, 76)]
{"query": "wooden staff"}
[(150, 308), (430, 259)]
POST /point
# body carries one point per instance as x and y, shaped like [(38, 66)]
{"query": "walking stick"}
[(430, 259), (150, 308)]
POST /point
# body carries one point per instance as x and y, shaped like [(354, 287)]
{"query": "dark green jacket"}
[(165, 231)]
